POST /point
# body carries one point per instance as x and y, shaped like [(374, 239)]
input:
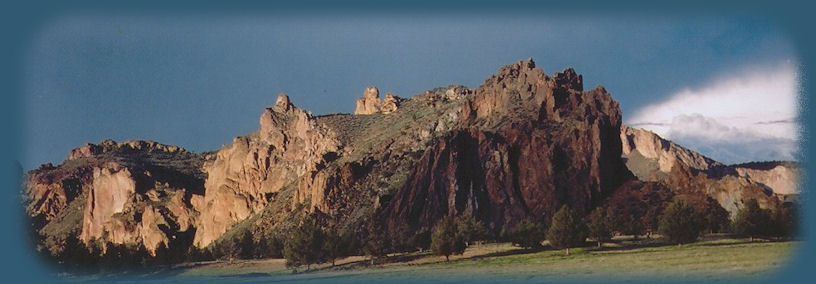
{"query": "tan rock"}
[(288, 145), (369, 103), (782, 179), (113, 188), (390, 103)]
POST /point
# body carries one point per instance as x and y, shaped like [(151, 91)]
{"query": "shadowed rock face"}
[(527, 144)]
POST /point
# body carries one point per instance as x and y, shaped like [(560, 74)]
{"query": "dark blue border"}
[(20, 21)]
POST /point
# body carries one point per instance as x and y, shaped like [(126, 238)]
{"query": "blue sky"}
[(198, 81)]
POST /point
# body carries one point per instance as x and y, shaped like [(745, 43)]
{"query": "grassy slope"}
[(725, 259)]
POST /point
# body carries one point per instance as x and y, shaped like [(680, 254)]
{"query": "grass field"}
[(714, 259)]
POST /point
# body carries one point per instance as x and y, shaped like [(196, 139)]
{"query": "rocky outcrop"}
[(649, 156), (113, 187), (132, 192), (519, 146), (781, 177), (370, 102), (652, 158), (289, 145), (526, 144)]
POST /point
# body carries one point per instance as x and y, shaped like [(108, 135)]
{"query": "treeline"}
[(680, 220)]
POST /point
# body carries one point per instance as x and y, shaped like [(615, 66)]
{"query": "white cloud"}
[(732, 119)]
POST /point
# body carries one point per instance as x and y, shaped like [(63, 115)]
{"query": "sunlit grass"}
[(716, 259)]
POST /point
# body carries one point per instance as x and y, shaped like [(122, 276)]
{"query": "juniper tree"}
[(681, 223), (716, 217), (445, 240), (304, 247), (751, 220), (567, 229), (599, 226), (469, 228), (528, 234)]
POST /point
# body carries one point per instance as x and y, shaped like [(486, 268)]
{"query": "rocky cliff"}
[(652, 158), (518, 146), (525, 144), (245, 175), (132, 192)]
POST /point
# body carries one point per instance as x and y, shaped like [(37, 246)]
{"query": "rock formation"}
[(133, 193), (370, 102), (652, 158), (289, 145), (781, 177), (526, 144), (518, 146)]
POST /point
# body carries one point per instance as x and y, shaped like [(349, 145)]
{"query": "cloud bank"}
[(749, 115)]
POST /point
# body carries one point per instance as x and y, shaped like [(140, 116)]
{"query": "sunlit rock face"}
[(288, 145), (134, 192), (652, 158)]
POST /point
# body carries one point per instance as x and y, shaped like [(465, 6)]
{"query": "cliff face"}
[(652, 158), (133, 192), (781, 177), (245, 175), (520, 145), (526, 144)]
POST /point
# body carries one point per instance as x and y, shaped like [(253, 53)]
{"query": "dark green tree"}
[(246, 246), (332, 246), (305, 245), (567, 229), (469, 228), (270, 246), (783, 221), (528, 234), (751, 220), (376, 242), (421, 240), (599, 226), (716, 217), (401, 238), (445, 239), (681, 223)]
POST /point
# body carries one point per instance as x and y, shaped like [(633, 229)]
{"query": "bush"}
[(681, 223), (567, 229), (445, 239), (751, 221), (599, 226)]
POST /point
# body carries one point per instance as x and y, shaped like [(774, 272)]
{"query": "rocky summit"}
[(520, 145)]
